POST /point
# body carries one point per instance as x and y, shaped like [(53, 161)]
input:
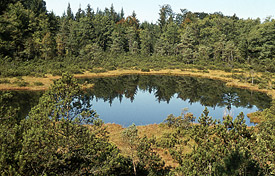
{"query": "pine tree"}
[(187, 45), (146, 42), (70, 15), (130, 136), (57, 141), (148, 158)]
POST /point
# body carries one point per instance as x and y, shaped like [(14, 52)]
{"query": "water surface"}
[(150, 99)]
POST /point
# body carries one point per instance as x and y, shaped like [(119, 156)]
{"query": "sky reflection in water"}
[(143, 107)]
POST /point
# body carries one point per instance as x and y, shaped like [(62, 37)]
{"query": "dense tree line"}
[(87, 39)]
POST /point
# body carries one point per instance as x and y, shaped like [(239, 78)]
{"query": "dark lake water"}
[(150, 99)]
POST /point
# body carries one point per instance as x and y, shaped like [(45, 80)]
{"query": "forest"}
[(62, 135), (34, 41)]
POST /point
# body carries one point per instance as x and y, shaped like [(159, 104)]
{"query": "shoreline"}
[(212, 74)]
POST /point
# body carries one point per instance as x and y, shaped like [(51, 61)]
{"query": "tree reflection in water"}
[(150, 99), (169, 93), (207, 92)]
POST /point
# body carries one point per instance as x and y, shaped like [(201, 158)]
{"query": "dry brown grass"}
[(155, 130), (47, 81), (213, 74), (255, 117), (115, 137)]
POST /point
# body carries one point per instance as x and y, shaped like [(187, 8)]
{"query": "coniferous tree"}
[(187, 45), (146, 44), (165, 13), (59, 141), (70, 15)]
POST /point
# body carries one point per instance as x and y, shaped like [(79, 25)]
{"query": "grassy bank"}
[(232, 79), (153, 130), (43, 83)]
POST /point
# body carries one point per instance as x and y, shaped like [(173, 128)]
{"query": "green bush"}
[(38, 84), (199, 67), (98, 70), (227, 69), (166, 142), (262, 86), (5, 81), (56, 72), (111, 68), (39, 75), (21, 83), (145, 70), (74, 70)]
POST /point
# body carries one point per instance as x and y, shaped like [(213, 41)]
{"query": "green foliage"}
[(9, 134), (145, 70), (144, 159), (148, 158), (183, 121), (52, 140), (5, 81), (21, 83), (226, 148), (38, 83), (130, 136), (60, 136), (146, 39), (94, 39), (265, 149)]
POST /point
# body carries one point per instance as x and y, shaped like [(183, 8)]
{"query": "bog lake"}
[(150, 99)]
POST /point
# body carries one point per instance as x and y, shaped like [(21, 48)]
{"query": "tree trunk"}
[(134, 165)]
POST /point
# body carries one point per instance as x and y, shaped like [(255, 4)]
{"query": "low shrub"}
[(39, 75), (5, 81), (38, 84), (111, 68), (98, 70), (227, 69), (145, 70), (199, 67), (21, 83), (262, 86), (56, 72)]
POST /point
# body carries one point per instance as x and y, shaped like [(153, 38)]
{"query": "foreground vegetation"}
[(63, 136)]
